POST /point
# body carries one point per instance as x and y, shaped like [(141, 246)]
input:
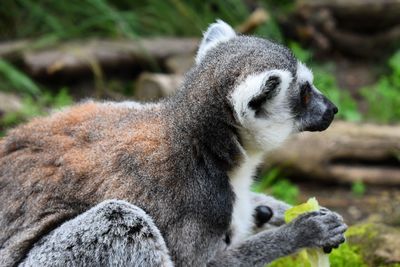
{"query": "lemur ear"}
[(216, 33)]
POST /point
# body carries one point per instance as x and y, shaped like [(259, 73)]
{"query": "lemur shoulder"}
[(129, 184)]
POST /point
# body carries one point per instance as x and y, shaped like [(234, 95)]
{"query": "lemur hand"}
[(318, 229)]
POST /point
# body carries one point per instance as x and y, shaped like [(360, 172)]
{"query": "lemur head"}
[(271, 93)]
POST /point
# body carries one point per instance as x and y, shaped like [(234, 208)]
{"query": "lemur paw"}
[(324, 229)]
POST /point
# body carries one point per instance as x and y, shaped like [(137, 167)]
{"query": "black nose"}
[(263, 214), (335, 109)]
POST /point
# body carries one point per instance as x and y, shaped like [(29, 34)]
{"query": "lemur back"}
[(173, 160)]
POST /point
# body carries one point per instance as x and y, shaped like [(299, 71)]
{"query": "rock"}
[(9, 103), (180, 64), (151, 86)]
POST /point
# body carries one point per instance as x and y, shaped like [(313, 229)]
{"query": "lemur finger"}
[(335, 241), (332, 220), (329, 249), (338, 229)]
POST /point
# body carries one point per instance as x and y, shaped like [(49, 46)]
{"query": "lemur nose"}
[(335, 110)]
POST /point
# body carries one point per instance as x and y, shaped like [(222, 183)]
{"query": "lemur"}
[(167, 184)]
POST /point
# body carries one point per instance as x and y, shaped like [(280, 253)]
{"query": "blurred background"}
[(56, 53)]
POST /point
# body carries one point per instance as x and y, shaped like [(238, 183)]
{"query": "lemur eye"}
[(305, 94)]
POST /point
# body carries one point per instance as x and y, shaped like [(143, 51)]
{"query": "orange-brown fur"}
[(53, 168)]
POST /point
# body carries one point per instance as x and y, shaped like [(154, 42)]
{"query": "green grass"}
[(123, 18), (58, 20), (278, 186), (12, 79), (36, 106), (346, 255), (358, 188), (383, 98)]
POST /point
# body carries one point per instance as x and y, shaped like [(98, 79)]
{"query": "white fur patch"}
[(263, 133), (304, 74), (252, 86), (241, 179), (216, 33)]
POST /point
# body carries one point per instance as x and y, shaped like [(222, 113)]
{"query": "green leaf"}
[(18, 79)]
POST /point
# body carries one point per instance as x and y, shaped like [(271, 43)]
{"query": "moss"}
[(347, 255), (367, 230)]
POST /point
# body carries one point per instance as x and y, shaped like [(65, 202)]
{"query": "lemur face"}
[(272, 95), (273, 104)]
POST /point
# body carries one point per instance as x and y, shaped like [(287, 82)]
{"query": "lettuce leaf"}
[(316, 257)]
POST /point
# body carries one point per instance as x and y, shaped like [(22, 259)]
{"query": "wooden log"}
[(345, 153), (87, 56), (151, 86), (348, 26), (12, 50), (258, 17)]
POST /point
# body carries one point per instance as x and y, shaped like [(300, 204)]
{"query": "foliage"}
[(37, 100), (274, 184), (383, 98), (55, 20), (327, 84), (122, 18), (358, 188), (12, 78), (345, 255), (33, 107)]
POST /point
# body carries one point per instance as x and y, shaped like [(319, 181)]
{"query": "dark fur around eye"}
[(268, 91), (305, 95)]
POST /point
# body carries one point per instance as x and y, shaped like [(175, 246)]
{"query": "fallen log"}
[(85, 56), (346, 26), (258, 17), (345, 153), (78, 57)]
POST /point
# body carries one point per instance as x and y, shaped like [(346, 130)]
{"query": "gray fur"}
[(169, 159), (278, 208), (113, 233)]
